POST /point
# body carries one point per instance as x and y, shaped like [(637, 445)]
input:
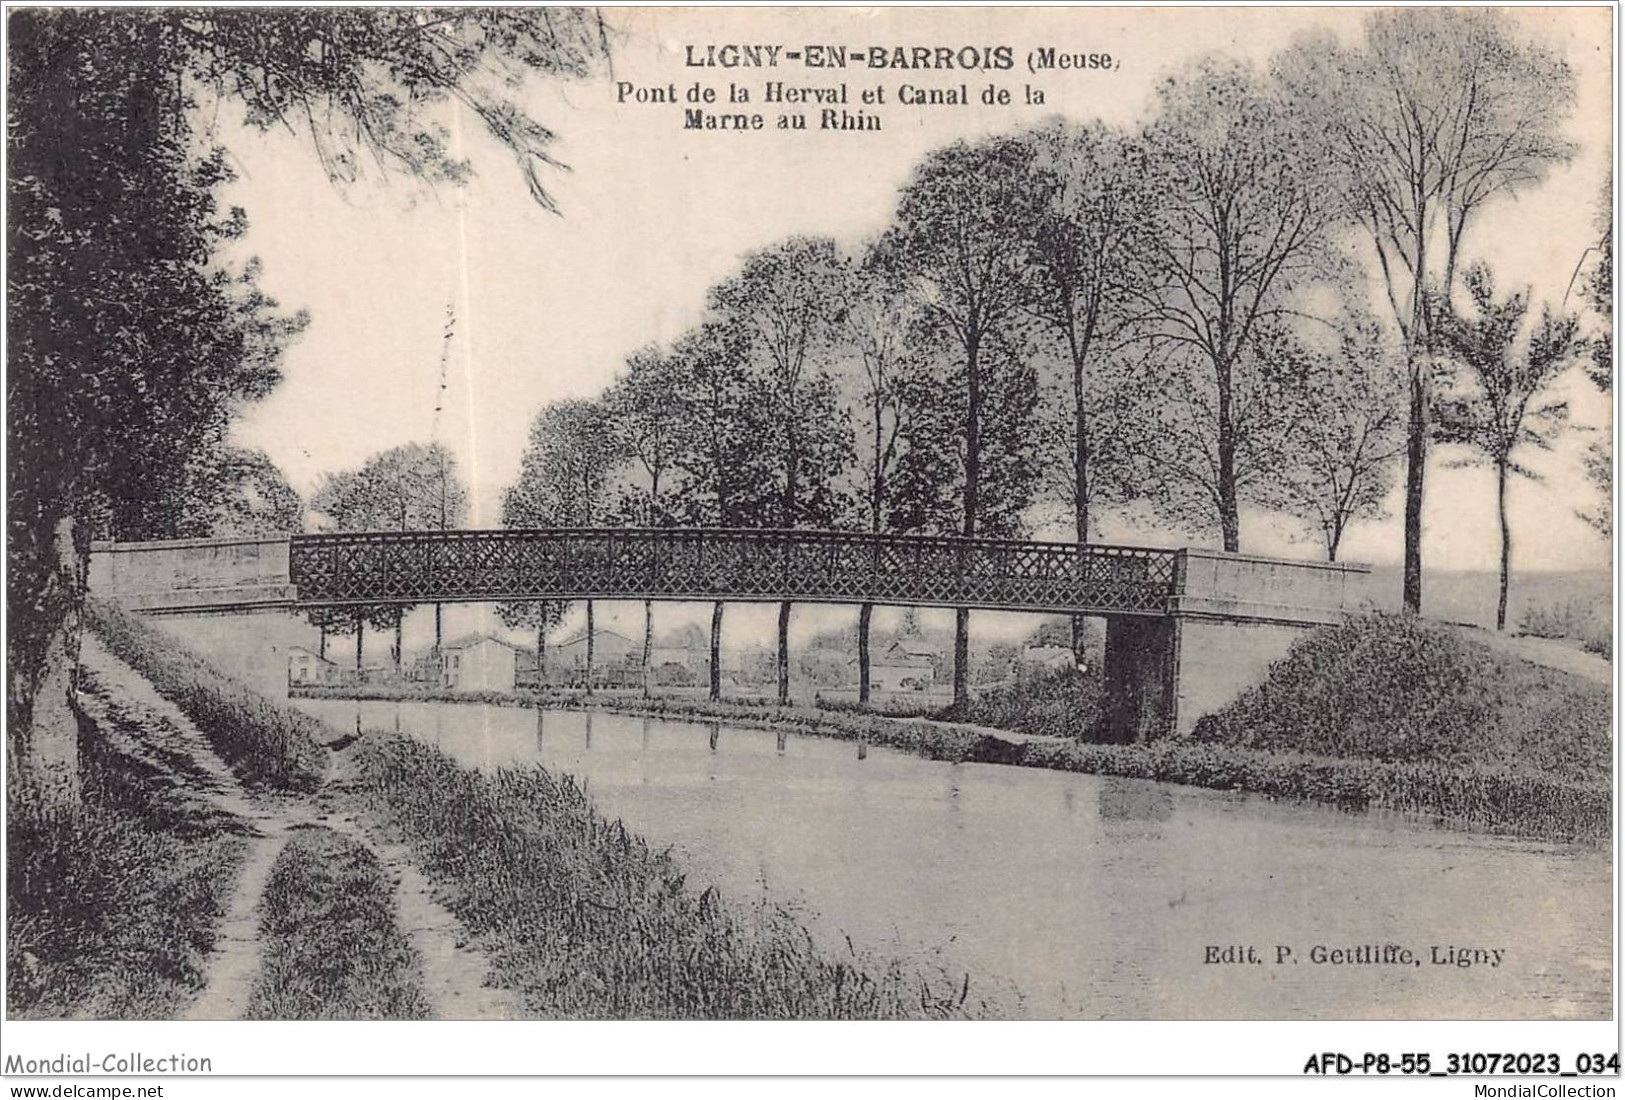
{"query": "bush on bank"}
[(266, 745), (584, 920), (1056, 703)]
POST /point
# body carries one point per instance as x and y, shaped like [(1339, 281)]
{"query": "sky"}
[(548, 306)]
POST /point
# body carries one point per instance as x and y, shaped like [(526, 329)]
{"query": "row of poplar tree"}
[(1263, 298)]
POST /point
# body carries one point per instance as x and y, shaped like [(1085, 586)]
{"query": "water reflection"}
[(1094, 896)]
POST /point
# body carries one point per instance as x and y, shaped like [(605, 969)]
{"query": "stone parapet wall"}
[(1213, 584)]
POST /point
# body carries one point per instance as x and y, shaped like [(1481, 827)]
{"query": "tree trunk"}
[(1080, 481), (396, 653), (1229, 506), (648, 642), (541, 657), (437, 637), (973, 477), (42, 741), (321, 646), (360, 633), (865, 613), (1506, 543), (1416, 453), (784, 652), (961, 656), (716, 651), (591, 642), (1416, 431)]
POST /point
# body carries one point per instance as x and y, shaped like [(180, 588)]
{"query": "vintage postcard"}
[(1045, 514)]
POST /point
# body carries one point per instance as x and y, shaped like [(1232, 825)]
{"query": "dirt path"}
[(1550, 652), (453, 973)]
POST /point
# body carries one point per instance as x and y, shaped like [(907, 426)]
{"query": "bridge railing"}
[(726, 563)]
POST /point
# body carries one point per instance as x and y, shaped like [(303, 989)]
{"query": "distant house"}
[(479, 663), (307, 667), (905, 666), (608, 649)]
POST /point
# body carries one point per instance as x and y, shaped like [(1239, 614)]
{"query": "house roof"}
[(581, 636), (469, 640), (308, 653)]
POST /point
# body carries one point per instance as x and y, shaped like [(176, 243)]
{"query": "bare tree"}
[(1497, 408), (1436, 113), (1240, 228), (1347, 431), (1084, 252)]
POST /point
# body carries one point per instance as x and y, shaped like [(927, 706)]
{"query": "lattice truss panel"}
[(682, 564)]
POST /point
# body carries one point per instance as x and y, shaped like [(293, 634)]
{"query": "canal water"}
[(1080, 896)]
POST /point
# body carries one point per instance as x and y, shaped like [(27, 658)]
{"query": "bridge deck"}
[(201, 576), (726, 564)]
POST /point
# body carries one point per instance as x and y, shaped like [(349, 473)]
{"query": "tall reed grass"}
[(585, 920)]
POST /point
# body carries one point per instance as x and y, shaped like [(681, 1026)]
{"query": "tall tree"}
[(726, 476), (875, 319), (1239, 230), (959, 233), (564, 481), (1347, 430), (412, 487), (128, 344), (345, 505), (1598, 460), (1085, 262), (129, 348), (244, 493), (643, 412), (1498, 406), (786, 302), (1437, 112)]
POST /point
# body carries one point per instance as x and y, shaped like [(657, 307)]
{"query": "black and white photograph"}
[(799, 514)]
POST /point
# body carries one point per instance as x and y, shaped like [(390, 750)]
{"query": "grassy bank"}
[(332, 949), (112, 908), (266, 745), (1472, 792), (584, 920)]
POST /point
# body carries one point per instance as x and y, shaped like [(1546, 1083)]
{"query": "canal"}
[(1080, 896)]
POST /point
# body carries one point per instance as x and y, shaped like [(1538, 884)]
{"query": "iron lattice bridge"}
[(371, 568)]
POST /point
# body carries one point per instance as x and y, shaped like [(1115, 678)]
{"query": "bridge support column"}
[(1141, 674)]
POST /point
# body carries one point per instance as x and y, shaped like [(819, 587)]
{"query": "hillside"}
[(1394, 688)]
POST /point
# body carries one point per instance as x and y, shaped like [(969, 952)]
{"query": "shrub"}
[(1057, 703), (1574, 618), (264, 743)]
